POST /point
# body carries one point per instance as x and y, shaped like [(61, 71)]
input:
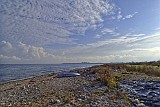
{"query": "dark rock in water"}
[(148, 103), (152, 94), (144, 98), (136, 101), (156, 104), (148, 86)]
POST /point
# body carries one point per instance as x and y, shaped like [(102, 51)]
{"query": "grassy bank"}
[(110, 74), (146, 69)]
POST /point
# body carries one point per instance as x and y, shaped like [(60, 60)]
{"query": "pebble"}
[(68, 105), (83, 97), (136, 101), (141, 105), (156, 104), (147, 91), (73, 102), (51, 92), (79, 99), (58, 101)]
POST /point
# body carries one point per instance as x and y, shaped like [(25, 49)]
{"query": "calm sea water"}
[(10, 72)]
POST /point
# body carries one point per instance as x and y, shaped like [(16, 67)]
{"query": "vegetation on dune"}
[(146, 69), (152, 63), (107, 77), (111, 73)]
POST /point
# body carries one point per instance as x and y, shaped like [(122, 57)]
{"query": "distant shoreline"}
[(84, 63), (54, 64)]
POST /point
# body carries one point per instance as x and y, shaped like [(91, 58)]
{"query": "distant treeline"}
[(153, 63)]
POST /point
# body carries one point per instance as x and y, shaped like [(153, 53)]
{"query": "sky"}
[(63, 31)]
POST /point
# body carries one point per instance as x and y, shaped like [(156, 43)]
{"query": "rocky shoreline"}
[(143, 90), (80, 91)]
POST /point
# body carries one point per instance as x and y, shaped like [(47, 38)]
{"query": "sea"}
[(12, 72)]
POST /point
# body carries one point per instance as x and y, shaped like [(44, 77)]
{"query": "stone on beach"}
[(52, 91)]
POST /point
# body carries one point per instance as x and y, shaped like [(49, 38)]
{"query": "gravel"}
[(50, 91)]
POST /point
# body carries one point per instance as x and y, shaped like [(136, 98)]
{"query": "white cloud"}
[(151, 40), (105, 58), (135, 35), (14, 58), (50, 21), (157, 28), (6, 45), (146, 54), (129, 16), (119, 16), (123, 17), (105, 46), (98, 36), (109, 31), (128, 47), (22, 53), (152, 50), (118, 45)]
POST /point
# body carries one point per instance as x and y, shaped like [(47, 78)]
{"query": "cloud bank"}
[(50, 21), (57, 31), (128, 47), (22, 53)]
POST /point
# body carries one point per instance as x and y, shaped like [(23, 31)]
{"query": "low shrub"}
[(107, 77)]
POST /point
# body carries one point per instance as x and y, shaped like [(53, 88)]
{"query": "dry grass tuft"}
[(148, 70), (107, 77)]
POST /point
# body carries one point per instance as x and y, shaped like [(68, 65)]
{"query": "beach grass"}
[(146, 69)]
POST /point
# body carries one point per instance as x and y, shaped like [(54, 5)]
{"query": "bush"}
[(107, 77)]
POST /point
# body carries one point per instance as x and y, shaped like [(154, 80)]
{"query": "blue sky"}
[(58, 31)]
